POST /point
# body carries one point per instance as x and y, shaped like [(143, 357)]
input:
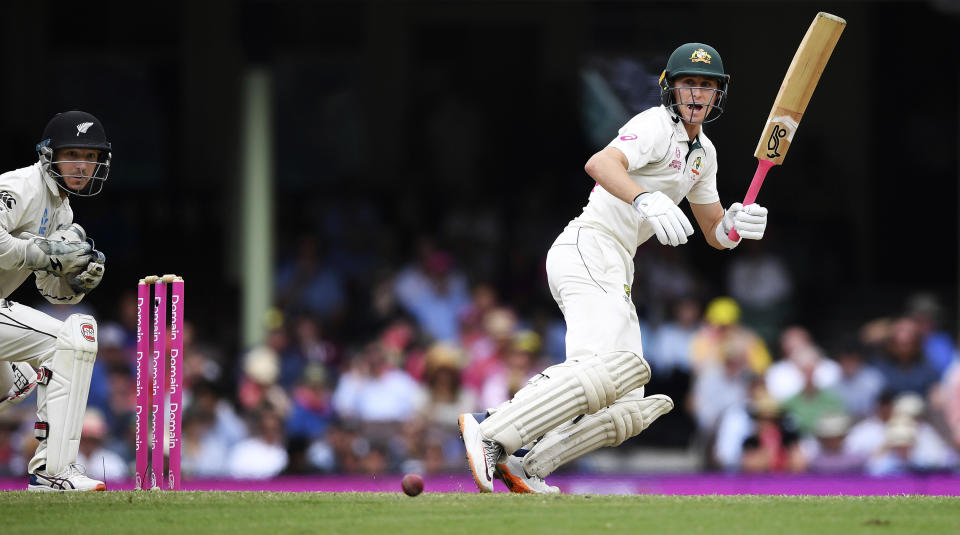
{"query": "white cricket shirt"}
[(659, 159), (29, 202)]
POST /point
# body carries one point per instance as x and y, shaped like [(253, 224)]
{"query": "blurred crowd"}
[(365, 368)]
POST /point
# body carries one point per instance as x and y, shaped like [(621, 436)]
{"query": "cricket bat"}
[(795, 92)]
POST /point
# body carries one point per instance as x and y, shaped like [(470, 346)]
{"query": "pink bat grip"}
[(762, 167)]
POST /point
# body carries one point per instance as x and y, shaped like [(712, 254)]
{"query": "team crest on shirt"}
[(696, 168), (700, 55), (626, 289), (7, 201)]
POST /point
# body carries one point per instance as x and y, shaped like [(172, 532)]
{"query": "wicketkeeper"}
[(596, 397), (37, 235)]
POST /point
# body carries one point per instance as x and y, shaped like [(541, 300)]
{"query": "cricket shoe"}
[(482, 454), (511, 472), (71, 479)]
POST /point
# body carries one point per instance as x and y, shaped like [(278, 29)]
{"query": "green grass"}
[(170, 513)]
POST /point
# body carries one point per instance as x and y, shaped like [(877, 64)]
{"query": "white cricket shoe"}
[(511, 472), (72, 478), (482, 454)]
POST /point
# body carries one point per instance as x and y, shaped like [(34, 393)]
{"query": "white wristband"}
[(723, 239)]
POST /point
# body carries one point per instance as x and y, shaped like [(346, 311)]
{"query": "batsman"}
[(596, 397), (38, 235)]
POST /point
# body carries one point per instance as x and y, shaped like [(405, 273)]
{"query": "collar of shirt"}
[(49, 182), (679, 132)]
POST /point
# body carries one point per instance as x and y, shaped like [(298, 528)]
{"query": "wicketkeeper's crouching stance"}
[(596, 398), (37, 235)]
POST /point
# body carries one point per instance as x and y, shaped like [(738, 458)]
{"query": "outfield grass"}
[(115, 513)]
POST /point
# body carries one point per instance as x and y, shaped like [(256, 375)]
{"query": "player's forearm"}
[(709, 217), (612, 174), (11, 251)]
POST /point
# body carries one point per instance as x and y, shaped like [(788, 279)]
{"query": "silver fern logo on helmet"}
[(82, 128)]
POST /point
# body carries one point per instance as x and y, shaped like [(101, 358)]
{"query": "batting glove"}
[(750, 222), (667, 219)]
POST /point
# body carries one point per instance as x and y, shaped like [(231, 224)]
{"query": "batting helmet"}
[(695, 59), (75, 129)]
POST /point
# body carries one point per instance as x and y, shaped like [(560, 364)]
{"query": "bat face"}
[(798, 85)]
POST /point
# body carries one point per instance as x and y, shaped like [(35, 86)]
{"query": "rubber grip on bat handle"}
[(762, 167)]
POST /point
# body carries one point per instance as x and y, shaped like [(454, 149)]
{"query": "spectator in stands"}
[(719, 386), (672, 349), (860, 383), (312, 410), (722, 323), (930, 450), (825, 451), (519, 364), (951, 402), (760, 282), (902, 362), (472, 319), (208, 400), (738, 422), (374, 389), (262, 455), (895, 457), (798, 351), (304, 282), (926, 447), (867, 435), (203, 450), (938, 345), (307, 347), (812, 402), (261, 373), (773, 446), (439, 402), (666, 278), (488, 351), (434, 294)]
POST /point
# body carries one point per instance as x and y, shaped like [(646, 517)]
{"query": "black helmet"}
[(695, 59), (75, 129)]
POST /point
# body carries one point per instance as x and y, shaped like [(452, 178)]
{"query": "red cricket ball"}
[(412, 484)]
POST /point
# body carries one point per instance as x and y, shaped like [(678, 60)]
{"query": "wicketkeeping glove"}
[(90, 277), (57, 257), (667, 219)]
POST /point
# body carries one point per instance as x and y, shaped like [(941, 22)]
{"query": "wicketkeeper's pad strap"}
[(43, 376), (41, 430)]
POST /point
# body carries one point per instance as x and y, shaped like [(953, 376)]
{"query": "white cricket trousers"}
[(26, 334), (590, 276)]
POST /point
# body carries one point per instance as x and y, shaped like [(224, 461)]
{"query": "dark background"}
[(422, 113)]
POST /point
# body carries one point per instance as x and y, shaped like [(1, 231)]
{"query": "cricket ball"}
[(412, 484)]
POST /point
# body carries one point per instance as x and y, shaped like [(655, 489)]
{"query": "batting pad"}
[(626, 418), (563, 392), (62, 402)]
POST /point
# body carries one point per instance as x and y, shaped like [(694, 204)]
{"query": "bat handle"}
[(762, 167)]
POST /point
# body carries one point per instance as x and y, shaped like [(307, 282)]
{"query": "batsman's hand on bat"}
[(667, 219), (750, 222)]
